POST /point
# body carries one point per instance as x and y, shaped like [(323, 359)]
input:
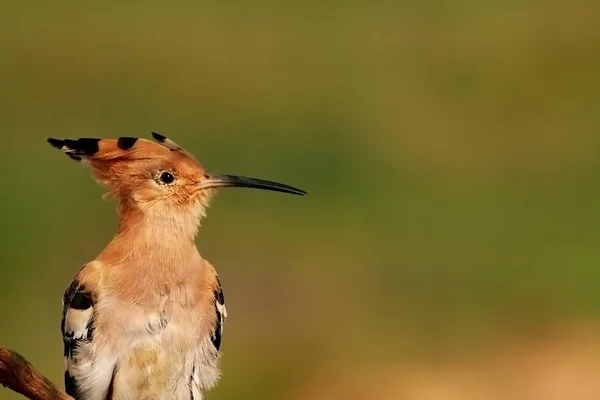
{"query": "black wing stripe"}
[(77, 327), (111, 387), (191, 383), (70, 386), (221, 315), (81, 300)]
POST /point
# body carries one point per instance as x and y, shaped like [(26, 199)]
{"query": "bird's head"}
[(157, 178)]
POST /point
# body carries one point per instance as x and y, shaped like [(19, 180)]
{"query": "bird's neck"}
[(161, 238)]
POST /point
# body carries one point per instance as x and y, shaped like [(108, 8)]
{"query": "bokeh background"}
[(449, 244)]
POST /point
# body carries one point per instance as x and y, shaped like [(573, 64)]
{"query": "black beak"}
[(218, 180)]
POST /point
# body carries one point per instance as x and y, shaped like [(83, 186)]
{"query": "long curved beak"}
[(219, 180)]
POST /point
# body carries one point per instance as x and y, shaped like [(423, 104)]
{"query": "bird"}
[(144, 319)]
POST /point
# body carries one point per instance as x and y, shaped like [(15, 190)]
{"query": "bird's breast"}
[(155, 366)]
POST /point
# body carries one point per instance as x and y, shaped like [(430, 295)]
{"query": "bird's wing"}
[(205, 369), (86, 376), (220, 314)]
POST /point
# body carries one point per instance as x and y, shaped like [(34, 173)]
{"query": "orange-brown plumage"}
[(144, 319)]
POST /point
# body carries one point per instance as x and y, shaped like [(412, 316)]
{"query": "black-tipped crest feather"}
[(126, 143), (73, 157), (158, 137), (79, 147), (87, 146), (165, 141), (75, 149), (56, 143)]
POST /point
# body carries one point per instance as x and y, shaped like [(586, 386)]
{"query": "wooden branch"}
[(17, 374)]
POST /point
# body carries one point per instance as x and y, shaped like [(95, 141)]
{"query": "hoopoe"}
[(144, 319)]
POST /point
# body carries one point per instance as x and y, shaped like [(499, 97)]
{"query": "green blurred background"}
[(451, 150)]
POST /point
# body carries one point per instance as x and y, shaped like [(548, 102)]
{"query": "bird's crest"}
[(116, 162), (95, 149)]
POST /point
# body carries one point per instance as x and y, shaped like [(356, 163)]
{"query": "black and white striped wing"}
[(221, 315), (205, 371), (77, 328)]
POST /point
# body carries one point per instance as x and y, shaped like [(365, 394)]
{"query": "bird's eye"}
[(167, 177)]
